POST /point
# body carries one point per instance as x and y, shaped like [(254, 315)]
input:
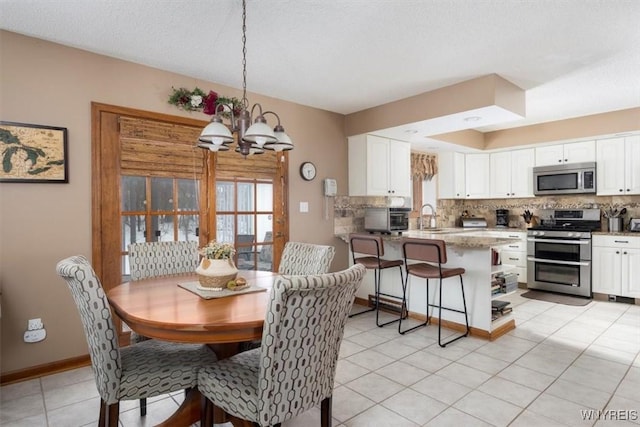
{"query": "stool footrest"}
[(362, 312), (446, 308)]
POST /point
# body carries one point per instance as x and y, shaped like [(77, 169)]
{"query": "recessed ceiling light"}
[(472, 118)]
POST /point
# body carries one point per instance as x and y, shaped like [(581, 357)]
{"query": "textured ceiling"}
[(573, 57)]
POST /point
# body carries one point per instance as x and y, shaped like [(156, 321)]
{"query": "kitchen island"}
[(469, 249)]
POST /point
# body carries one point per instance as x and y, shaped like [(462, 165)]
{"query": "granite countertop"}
[(451, 236), (619, 233)]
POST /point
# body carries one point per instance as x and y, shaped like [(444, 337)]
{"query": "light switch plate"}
[(304, 207)]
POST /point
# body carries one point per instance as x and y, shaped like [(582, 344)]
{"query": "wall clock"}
[(307, 171)]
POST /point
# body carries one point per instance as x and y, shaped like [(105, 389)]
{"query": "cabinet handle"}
[(515, 237), (617, 252), (516, 259), (566, 160), (624, 253), (628, 189), (621, 241), (621, 190), (559, 160)]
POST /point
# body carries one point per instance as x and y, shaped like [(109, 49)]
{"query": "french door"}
[(244, 217), (158, 209)]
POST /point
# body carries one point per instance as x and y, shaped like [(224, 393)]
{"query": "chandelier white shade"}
[(254, 136), (216, 133)]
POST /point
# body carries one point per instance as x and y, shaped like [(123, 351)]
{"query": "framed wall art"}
[(33, 153)]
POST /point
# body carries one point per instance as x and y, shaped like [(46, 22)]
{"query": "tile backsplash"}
[(449, 211), (349, 211)]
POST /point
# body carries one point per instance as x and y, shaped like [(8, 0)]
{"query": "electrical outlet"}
[(35, 324), (35, 336)]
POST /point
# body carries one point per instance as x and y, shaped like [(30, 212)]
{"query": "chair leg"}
[(103, 414), (325, 412), (378, 293), (375, 307), (143, 406), (109, 414), (206, 412), (404, 303), (466, 317)]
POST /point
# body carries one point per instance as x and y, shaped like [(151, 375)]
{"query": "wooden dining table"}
[(160, 308)]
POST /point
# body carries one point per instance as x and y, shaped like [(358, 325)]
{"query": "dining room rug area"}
[(557, 298)]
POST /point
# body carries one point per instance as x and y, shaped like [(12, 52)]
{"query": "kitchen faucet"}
[(433, 217)]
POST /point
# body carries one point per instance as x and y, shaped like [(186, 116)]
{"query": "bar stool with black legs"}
[(373, 248), (432, 253)]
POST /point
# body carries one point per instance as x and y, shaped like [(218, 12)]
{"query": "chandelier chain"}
[(245, 101)]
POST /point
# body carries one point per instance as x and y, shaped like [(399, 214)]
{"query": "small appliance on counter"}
[(502, 218), (472, 222), (634, 224), (387, 220)]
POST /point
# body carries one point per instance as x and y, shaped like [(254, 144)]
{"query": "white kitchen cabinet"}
[(451, 175), (512, 173), (379, 166), (515, 254), (477, 179), (616, 265), (574, 152), (618, 166), (512, 254)]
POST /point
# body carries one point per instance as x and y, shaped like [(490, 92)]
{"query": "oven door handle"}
[(549, 261), (571, 242)]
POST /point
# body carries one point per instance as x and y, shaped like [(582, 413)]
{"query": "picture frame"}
[(31, 153)]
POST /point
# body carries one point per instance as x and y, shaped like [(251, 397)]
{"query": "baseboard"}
[(458, 327), (46, 369)]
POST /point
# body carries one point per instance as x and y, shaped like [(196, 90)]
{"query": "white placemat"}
[(193, 287)]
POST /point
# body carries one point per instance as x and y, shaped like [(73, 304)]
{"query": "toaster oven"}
[(386, 220)]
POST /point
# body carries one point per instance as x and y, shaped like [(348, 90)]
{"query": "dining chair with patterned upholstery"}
[(294, 369), (157, 259), (300, 258), (305, 258), (146, 369)]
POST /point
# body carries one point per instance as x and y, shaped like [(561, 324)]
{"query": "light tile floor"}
[(559, 367)]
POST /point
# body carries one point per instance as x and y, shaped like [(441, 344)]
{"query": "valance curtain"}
[(423, 166)]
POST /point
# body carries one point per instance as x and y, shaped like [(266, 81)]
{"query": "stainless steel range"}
[(559, 251)]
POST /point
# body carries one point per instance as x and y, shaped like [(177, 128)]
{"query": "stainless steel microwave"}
[(568, 178), (386, 220)]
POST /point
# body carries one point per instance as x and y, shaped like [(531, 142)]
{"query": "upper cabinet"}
[(477, 180), (617, 163), (512, 173), (451, 175), (379, 166), (574, 152)]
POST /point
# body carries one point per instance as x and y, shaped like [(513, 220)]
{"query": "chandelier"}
[(252, 138)]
